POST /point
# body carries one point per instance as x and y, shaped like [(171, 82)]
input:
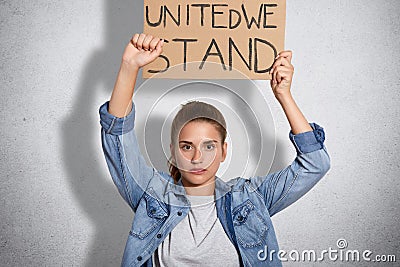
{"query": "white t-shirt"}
[(198, 240)]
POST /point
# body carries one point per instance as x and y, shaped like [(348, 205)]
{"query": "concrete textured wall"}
[(59, 60)]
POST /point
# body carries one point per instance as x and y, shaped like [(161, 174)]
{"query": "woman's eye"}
[(210, 147), (186, 147)]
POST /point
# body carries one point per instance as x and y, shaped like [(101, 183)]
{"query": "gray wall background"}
[(59, 60)]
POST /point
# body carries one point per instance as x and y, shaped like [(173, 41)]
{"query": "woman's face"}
[(198, 153)]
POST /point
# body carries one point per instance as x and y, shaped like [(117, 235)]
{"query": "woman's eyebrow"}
[(210, 141), (186, 142), (205, 142)]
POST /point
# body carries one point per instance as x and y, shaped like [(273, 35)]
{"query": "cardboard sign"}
[(215, 40)]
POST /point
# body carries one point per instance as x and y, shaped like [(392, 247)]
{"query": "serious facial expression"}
[(199, 153)]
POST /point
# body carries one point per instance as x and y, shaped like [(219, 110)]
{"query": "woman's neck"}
[(199, 190)]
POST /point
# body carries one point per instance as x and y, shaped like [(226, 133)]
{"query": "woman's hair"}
[(195, 111)]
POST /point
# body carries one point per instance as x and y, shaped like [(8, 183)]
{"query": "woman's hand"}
[(142, 50), (282, 74)]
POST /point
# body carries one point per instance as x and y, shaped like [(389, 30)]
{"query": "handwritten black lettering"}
[(208, 53), (185, 41), (239, 18), (252, 20), (265, 24), (166, 67), (177, 21), (155, 24), (202, 6), (213, 12), (233, 45), (256, 41)]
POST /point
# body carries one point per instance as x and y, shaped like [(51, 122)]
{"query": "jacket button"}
[(158, 235), (139, 258), (240, 218), (179, 213)]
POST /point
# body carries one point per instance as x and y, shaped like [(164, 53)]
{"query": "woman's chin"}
[(195, 179)]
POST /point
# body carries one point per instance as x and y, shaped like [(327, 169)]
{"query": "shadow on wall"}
[(99, 199)]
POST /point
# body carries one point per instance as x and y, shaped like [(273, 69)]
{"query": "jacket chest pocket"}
[(150, 214), (250, 227)]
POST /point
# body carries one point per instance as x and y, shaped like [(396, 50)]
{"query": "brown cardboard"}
[(204, 26)]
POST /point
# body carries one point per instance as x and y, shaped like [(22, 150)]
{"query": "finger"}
[(282, 61), (285, 62), (153, 43), (278, 76), (284, 75), (146, 42), (284, 68), (139, 43), (134, 39), (274, 75), (280, 71), (277, 62), (157, 51), (287, 54), (159, 47), (273, 82), (275, 71)]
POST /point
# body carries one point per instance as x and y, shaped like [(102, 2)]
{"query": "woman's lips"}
[(197, 171)]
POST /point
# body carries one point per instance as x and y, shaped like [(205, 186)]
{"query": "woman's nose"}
[(196, 156)]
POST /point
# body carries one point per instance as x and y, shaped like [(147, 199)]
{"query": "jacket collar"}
[(221, 187)]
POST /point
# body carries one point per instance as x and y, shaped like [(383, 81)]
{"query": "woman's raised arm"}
[(282, 188), (127, 167), (141, 50)]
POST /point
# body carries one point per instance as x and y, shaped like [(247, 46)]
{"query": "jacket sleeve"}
[(312, 162), (127, 167)]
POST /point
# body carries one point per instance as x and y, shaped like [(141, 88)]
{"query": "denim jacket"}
[(244, 206)]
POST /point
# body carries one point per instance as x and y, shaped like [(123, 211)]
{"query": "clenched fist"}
[(282, 74), (142, 50)]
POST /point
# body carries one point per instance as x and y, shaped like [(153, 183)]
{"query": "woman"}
[(191, 217)]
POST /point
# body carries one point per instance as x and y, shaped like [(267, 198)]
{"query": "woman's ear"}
[(224, 151)]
